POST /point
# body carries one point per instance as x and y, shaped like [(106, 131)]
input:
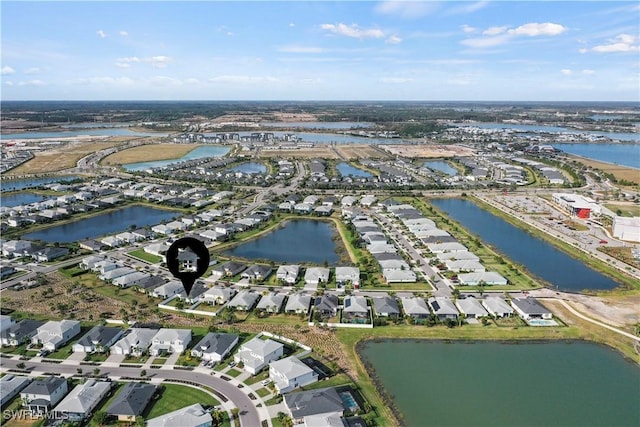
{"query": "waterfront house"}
[(271, 302), (443, 308), (487, 277), (471, 308), (288, 273), (189, 416), (290, 373), (315, 275), (355, 309), (215, 346), (135, 342), (244, 300), (386, 306), (98, 339), (530, 308), (415, 307), (346, 275), (257, 272), (54, 334), (326, 305), (438, 248), (298, 303), (50, 253), (82, 400), (257, 353), (322, 401), (170, 341), (43, 394), (497, 306), (464, 265), (399, 275), (131, 402)]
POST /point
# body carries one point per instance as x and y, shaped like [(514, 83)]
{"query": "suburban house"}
[(322, 401), (399, 275), (189, 416), (214, 346), (497, 306), (326, 305), (487, 277), (42, 395), (132, 279), (415, 307), (290, 373), (170, 341), (315, 275), (386, 306), (168, 290), (20, 332), (288, 273), (54, 334), (257, 272), (258, 353), (50, 253), (443, 308), (244, 300), (271, 302), (135, 342), (345, 275), (218, 295), (460, 256), (11, 385), (298, 303), (530, 308), (355, 309), (131, 401), (471, 308), (187, 260), (438, 248), (98, 339), (82, 400), (464, 265), (227, 269)]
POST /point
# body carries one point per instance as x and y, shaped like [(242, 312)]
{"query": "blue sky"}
[(302, 50)]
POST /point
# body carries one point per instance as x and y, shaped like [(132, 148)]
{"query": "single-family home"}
[(443, 308), (290, 373), (530, 308), (257, 353), (355, 309), (167, 290), (288, 273), (54, 334), (244, 300), (116, 272), (82, 400), (497, 306), (415, 307), (438, 248), (89, 262), (50, 253), (487, 277), (6, 322), (189, 416), (98, 339), (326, 305), (345, 275), (315, 275), (42, 395), (215, 346), (135, 342), (459, 256), (322, 401), (399, 276), (131, 402), (298, 303), (386, 306), (227, 269), (11, 385), (271, 302), (471, 308), (218, 295), (170, 341), (20, 332), (131, 279), (464, 265), (257, 272)]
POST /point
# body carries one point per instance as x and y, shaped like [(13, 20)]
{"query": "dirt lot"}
[(427, 150), (620, 172), (364, 151), (324, 152), (148, 153)]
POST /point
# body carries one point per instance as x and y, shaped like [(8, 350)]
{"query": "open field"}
[(626, 209), (427, 150), (324, 152), (61, 158), (149, 153), (620, 172), (363, 151)]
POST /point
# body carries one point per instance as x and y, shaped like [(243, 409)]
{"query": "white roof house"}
[(530, 308), (244, 300), (397, 276), (135, 342), (11, 385), (170, 341), (463, 255), (488, 277), (54, 334), (437, 248), (271, 302), (348, 274), (117, 272), (288, 273), (215, 346), (258, 353), (82, 400), (464, 265), (218, 295), (290, 373), (298, 303), (167, 290), (355, 304), (471, 307), (443, 308), (131, 279), (497, 306), (415, 307), (189, 416), (315, 275)]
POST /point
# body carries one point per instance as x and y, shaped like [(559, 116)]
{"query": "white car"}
[(266, 382)]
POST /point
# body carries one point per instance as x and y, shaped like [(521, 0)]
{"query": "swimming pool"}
[(542, 322), (349, 402)]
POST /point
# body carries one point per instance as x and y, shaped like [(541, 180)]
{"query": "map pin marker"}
[(188, 259)]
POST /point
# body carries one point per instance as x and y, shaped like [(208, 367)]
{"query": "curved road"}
[(248, 413)]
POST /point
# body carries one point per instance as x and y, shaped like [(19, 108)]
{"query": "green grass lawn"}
[(257, 378), (188, 360), (262, 392), (96, 357), (176, 396), (144, 256), (233, 372)]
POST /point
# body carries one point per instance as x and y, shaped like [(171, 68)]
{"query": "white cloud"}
[(588, 72), (301, 49), (406, 9), (353, 30), (8, 83), (566, 71), (159, 61), (32, 83), (468, 7), (583, 50), (242, 79), (291, 24), (191, 81), (101, 33), (484, 42), (32, 70), (165, 81), (105, 80), (622, 43), (123, 33), (395, 80), (494, 31), (6, 70), (537, 29), (461, 80), (468, 29), (393, 39)]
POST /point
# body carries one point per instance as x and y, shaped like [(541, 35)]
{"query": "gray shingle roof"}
[(132, 399), (319, 401)]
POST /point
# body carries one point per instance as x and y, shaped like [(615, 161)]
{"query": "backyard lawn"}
[(176, 396)]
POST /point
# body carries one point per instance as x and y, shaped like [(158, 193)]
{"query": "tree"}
[(234, 413), (79, 371), (143, 373), (96, 371), (100, 417)]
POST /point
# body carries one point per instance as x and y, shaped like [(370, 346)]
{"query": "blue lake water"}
[(21, 184), (198, 153), (114, 131), (249, 167), (441, 166), (11, 200), (539, 257), (108, 223), (620, 154), (319, 125), (346, 169), (296, 241)]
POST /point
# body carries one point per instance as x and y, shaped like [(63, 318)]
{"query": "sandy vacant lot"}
[(149, 153), (364, 151), (427, 150), (303, 153), (620, 172)]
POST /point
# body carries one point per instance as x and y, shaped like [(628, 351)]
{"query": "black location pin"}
[(188, 259)]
